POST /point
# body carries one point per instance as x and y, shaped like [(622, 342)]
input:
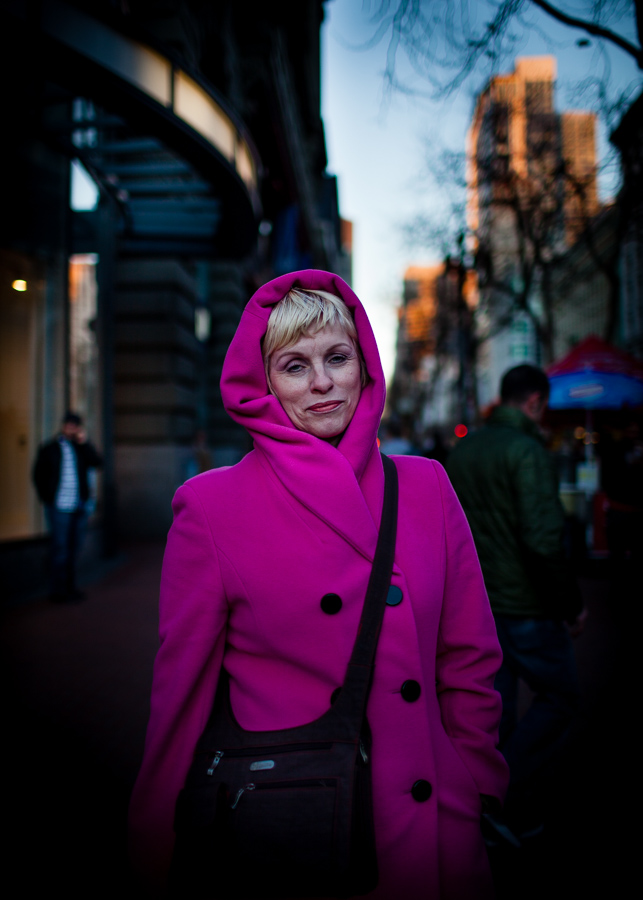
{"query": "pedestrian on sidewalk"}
[(506, 482), (60, 475), (264, 577)]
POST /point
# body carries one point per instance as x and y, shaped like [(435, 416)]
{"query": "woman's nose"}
[(320, 379)]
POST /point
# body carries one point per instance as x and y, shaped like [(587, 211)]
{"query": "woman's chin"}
[(330, 430)]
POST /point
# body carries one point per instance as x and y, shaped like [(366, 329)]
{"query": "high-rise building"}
[(578, 146), (432, 384), (415, 339), (532, 191)]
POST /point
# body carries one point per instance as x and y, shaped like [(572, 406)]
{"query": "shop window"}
[(84, 385)]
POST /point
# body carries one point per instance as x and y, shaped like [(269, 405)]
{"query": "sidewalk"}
[(76, 697), (586, 849), (76, 686)]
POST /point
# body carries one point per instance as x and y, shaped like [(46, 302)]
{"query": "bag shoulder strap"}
[(346, 716), (380, 578)]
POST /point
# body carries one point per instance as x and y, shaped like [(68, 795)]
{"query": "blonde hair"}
[(302, 311)]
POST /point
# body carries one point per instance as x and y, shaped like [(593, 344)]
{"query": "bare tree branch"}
[(445, 41), (592, 28)]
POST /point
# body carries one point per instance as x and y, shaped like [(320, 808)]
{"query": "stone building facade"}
[(163, 161)]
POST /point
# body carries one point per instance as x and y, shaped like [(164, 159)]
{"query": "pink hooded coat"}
[(253, 549)]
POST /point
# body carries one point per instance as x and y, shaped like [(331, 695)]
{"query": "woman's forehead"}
[(317, 337)]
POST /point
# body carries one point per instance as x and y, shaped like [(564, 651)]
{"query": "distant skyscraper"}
[(532, 190), (578, 145), (524, 156), (416, 331), (432, 384)]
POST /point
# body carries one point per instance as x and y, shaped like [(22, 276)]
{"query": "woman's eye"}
[(338, 358), (294, 367)]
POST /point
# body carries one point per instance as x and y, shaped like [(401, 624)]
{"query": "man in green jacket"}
[(507, 484)]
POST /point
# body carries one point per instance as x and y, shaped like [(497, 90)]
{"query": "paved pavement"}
[(76, 687), (76, 684), (587, 847)]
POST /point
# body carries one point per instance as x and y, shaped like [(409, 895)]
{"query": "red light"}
[(461, 431)]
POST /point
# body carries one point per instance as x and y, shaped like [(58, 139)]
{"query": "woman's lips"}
[(325, 407)]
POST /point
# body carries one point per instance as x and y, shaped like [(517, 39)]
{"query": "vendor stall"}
[(594, 377)]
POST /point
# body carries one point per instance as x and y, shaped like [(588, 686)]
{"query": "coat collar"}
[(512, 417)]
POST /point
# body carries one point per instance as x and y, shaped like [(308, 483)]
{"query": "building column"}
[(156, 389), (228, 296)]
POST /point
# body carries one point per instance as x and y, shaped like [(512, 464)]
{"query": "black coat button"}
[(394, 596), (421, 790), (331, 603), (411, 690)]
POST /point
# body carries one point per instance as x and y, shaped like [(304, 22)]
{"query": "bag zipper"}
[(272, 751), (247, 787), (215, 762), (279, 785)]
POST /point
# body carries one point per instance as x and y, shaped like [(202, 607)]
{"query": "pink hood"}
[(343, 486)]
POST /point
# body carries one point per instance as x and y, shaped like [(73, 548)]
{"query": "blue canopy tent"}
[(596, 375)]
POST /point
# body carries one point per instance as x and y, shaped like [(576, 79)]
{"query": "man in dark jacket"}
[(60, 476), (507, 485)]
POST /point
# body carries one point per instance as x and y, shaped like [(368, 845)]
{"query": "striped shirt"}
[(68, 493)]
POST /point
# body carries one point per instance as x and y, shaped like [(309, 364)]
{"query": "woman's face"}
[(318, 382)]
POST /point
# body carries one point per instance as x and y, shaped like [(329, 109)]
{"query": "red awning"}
[(596, 355)]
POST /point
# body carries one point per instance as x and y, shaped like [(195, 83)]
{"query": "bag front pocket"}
[(286, 827), (275, 836)]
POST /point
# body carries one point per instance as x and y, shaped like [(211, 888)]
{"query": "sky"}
[(377, 143)]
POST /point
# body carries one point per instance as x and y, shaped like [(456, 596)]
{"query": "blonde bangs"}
[(301, 312)]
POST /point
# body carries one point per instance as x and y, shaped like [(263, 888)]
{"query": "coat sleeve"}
[(46, 471), (540, 529), (91, 456), (468, 654), (193, 615), (39, 475)]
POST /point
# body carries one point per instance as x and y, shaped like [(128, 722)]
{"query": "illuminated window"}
[(84, 191), (202, 323)]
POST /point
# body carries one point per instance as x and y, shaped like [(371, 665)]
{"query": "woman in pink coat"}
[(253, 551)]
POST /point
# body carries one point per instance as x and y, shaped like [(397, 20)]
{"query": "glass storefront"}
[(21, 359)]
